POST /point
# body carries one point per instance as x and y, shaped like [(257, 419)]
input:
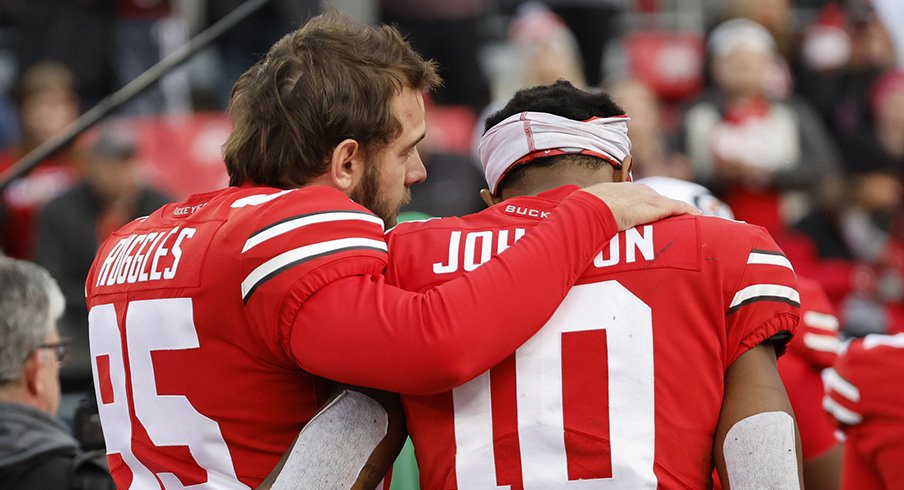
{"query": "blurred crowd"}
[(790, 111)]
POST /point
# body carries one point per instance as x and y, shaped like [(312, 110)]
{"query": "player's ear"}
[(346, 164), (488, 198), (625, 172)]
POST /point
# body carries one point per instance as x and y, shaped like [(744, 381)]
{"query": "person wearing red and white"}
[(666, 344), (211, 319), (865, 395)]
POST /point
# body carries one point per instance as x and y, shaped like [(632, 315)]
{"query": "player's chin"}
[(392, 218)]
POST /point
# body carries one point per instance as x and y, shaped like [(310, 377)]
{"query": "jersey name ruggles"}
[(142, 257), (635, 247)]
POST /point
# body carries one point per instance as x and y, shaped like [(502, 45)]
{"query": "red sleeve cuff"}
[(781, 323)]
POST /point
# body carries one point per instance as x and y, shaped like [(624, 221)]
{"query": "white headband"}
[(507, 143)]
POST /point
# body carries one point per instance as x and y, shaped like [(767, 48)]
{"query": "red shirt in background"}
[(813, 348), (865, 394), (26, 195)]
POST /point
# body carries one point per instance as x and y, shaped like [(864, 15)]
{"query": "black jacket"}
[(36, 451)]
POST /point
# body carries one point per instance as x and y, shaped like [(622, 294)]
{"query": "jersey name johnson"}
[(634, 248), (598, 397)]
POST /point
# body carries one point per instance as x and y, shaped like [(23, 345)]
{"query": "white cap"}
[(735, 33)]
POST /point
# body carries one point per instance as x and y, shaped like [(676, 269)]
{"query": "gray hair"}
[(30, 304)]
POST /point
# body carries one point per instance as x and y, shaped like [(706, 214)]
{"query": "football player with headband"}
[(659, 366)]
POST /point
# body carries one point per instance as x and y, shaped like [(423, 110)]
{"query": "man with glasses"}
[(36, 451)]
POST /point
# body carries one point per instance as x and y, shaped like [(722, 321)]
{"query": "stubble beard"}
[(369, 194)]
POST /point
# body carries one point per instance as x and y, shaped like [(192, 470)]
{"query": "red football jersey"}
[(623, 386), (168, 410), (206, 333), (865, 394), (813, 348)]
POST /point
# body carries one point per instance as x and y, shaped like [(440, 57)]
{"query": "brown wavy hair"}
[(330, 80)]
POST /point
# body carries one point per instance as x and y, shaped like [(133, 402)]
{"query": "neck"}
[(12, 393), (17, 392), (543, 179)]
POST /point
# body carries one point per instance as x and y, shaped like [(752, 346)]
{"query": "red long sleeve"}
[(362, 331)]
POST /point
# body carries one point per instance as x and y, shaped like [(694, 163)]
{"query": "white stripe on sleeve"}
[(769, 259), (763, 291), (293, 224), (301, 254)]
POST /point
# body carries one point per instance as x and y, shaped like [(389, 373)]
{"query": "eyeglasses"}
[(61, 349)]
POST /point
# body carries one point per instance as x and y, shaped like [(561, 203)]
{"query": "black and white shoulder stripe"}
[(765, 291), (299, 255)]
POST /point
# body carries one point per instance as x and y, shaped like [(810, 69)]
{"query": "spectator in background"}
[(36, 451), (777, 16), (448, 33), (878, 148), (70, 228), (48, 102), (860, 222), (874, 158), (77, 34), (650, 150), (843, 53), (243, 45), (594, 23), (539, 51), (138, 44), (853, 256), (546, 50), (748, 148)]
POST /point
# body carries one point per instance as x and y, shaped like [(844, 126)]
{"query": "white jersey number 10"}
[(628, 324)]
